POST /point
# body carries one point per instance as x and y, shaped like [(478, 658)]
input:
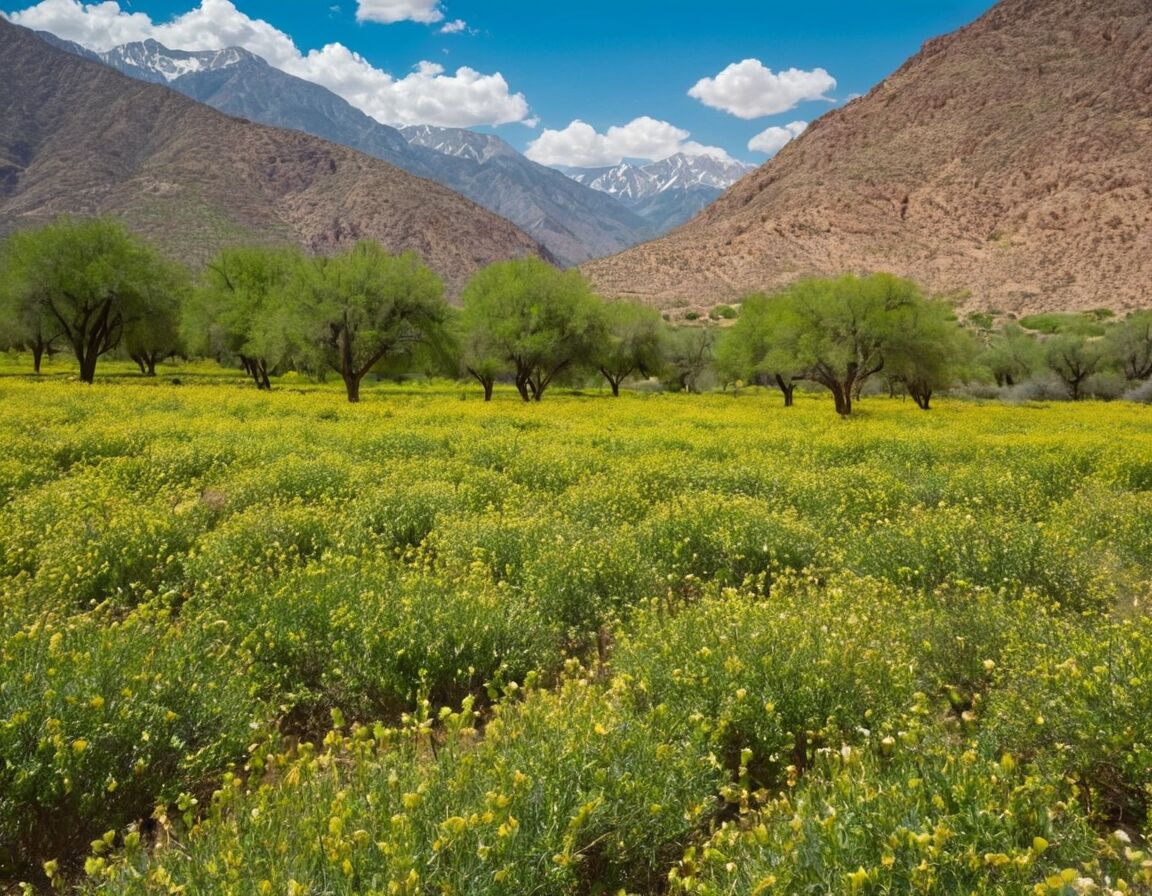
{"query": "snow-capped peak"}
[(153, 58), (458, 142), (677, 172)]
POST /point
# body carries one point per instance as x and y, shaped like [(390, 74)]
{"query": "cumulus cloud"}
[(581, 145), (750, 90), (455, 27), (428, 95), (389, 11), (772, 140)]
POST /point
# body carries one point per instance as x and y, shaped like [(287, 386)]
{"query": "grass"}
[(277, 643)]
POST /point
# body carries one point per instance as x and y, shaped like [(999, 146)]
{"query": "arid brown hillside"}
[(1011, 159), (78, 137)]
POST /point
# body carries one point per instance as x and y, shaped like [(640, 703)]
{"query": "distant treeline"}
[(92, 288)]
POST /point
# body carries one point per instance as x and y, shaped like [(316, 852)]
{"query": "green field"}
[(274, 643)]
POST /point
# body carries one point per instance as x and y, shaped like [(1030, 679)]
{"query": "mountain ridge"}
[(573, 222), (668, 192), (78, 137), (1008, 163)]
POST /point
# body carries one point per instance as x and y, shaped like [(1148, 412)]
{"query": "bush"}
[(373, 639), (780, 677), (566, 793), (914, 814), (103, 719), (1080, 704)]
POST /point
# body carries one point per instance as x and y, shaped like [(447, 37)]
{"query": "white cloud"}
[(455, 27), (750, 90), (580, 145), (389, 11), (428, 95), (772, 140)]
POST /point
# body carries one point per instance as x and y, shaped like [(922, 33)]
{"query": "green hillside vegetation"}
[(92, 288), (277, 642), (580, 606)]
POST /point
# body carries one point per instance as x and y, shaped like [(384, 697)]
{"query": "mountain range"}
[(575, 220), (78, 137), (665, 193), (1008, 163)]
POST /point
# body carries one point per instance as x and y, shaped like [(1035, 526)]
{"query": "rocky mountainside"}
[(1009, 162), (665, 193), (574, 222), (571, 221), (242, 84), (77, 137)]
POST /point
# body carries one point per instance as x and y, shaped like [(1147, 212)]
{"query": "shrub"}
[(102, 719)]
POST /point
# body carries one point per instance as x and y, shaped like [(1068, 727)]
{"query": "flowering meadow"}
[(276, 643)]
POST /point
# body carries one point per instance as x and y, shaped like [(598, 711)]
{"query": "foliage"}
[(840, 332), (527, 318), (86, 283), (690, 353), (635, 341), (1064, 323), (1129, 345), (914, 813), (1011, 355), (1074, 357), (241, 310), (723, 619), (748, 352), (359, 308)]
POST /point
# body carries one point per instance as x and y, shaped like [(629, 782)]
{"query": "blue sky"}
[(531, 69)]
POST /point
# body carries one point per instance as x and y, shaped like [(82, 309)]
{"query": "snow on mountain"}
[(678, 172), (574, 223), (153, 61), (665, 193), (457, 142)]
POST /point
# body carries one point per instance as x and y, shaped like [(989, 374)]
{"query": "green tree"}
[(362, 307), (86, 281), (635, 341), (155, 336), (1012, 355), (24, 319), (526, 318), (690, 354), (245, 309), (840, 332), (1128, 344), (750, 350), (926, 350), (1074, 357)]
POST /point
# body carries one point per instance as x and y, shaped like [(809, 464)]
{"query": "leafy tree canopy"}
[(86, 283)]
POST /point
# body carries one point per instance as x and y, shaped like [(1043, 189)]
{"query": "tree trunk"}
[(842, 396), (787, 387), (260, 374), (921, 394), (522, 380), (487, 381), (146, 361), (352, 385), (37, 356), (614, 380), (88, 367)]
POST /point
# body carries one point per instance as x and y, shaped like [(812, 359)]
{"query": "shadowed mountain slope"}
[(77, 137)]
